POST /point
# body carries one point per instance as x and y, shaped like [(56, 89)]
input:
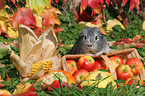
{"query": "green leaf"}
[(38, 5)]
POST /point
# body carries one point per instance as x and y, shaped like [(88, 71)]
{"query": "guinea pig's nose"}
[(89, 45)]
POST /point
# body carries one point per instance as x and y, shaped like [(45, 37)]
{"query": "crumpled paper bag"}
[(34, 49)]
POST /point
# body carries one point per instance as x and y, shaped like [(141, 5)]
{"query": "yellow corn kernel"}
[(46, 66)]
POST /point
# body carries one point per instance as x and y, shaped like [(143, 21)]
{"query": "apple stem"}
[(99, 77), (131, 66)]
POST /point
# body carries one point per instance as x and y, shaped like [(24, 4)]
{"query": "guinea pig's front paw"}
[(90, 54), (104, 53)]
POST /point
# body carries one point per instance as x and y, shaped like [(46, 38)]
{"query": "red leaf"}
[(1, 85), (118, 2), (134, 3), (123, 41), (83, 16), (57, 29), (93, 3), (142, 41), (136, 38), (23, 16), (101, 1), (2, 4), (2, 33), (13, 1), (84, 4), (57, 1), (64, 1), (107, 2), (38, 31), (125, 1)]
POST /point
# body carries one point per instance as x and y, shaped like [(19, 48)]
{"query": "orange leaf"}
[(23, 16), (8, 79), (103, 30), (137, 37), (49, 17), (84, 4), (57, 29), (26, 89), (143, 25)]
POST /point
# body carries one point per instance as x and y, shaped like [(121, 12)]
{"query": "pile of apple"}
[(85, 64)]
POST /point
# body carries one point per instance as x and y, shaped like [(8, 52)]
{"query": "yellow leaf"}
[(3, 25), (38, 5), (38, 20), (11, 31), (143, 25), (112, 23), (3, 18), (89, 24)]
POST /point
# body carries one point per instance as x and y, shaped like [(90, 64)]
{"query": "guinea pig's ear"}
[(81, 34)]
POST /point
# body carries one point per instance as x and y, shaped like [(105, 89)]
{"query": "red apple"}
[(136, 65), (100, 64), (116, 61), (72, 65), (86, 62), (80, 74), (124, 72)]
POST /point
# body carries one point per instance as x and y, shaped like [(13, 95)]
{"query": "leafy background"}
[(69, 28)]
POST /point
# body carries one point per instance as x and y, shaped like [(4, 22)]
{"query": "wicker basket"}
[(125, 54)]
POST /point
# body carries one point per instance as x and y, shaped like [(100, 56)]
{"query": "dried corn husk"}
[(36, 50)]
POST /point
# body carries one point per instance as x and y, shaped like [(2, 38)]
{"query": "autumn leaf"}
[(3, 17), (38, 31), (57, 29), (38, 20), (107, 2), (23, 16), (26, 89), (94, 3), (136, 38), (143, 25), (112, 23), (2, 4), (57, 1), (127, 42), (134, 3), (83, 16), (11, 32), (84, 4), (125, 1), (49, 17), (38, 5)]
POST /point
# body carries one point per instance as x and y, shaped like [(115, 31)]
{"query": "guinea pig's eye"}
[(96, 37), (85, 37)]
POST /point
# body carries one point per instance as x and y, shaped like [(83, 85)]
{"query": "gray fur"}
[(91, 41)]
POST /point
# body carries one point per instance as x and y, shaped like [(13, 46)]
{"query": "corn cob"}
[(46, 66)]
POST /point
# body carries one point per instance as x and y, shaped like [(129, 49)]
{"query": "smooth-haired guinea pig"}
[(91, 41)]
